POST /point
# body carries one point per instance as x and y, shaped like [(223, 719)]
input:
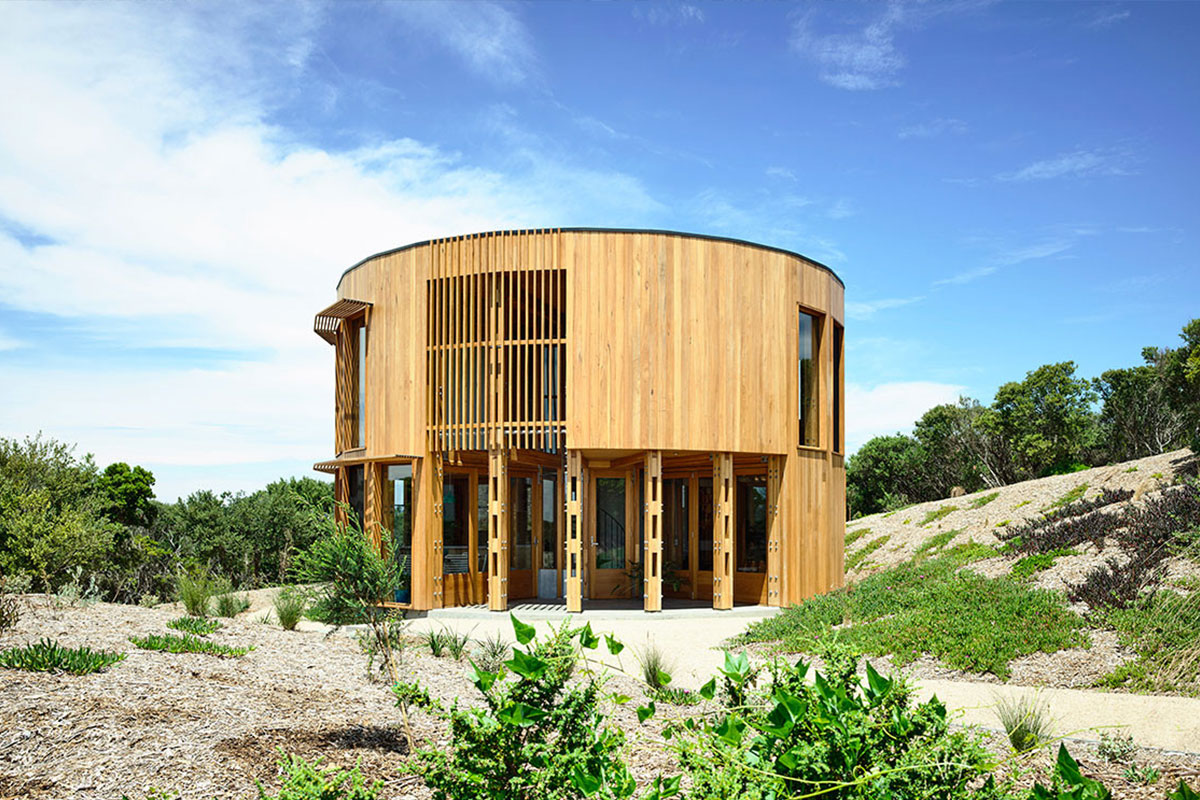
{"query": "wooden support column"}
[(774, 531), (573, 495), (652, 557), (372, 516), (723, 533), (436, 552), (341, 495), (427, 524), (497, 529)]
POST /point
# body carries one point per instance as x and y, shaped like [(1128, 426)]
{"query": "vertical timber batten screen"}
[(496, 352)]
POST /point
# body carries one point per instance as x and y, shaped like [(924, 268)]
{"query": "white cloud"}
[(841, 209), (965, 277), (933, 128), (781, 172), (489, 37), (1106, 19), (866, 309), (863, 59), (9, 343), (1079, 164), (175, 215), (672, 13), (887, 408)]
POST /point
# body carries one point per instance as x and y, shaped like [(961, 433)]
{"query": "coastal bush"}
[(230, 604), (195, 591), (289, 603)]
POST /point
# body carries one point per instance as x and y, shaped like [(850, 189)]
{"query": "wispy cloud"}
[(1058, 243), (1108, 18), (1077, 164), (862, 59), (965, 277), (780, 172), (936, 127), (488, 37), (865, 309), (671, 13), (841, 209)]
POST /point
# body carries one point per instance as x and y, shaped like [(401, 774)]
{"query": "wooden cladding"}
[(496, 351)]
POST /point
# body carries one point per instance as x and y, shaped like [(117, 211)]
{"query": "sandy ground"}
[(210, 727)]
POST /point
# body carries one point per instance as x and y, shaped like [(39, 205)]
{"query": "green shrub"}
[(831, 736), (855, 535), (196, 591), (1026, 721), (860, 555), (1116, 748), (194, 625), (1069, 782), (938, 513), (187, 644), (1026, 566), (980, 502), (968, 621), (48, 655), (289, 603), (1145, 775), (230, 604), (305, 781), (536, 732), (937, 541)]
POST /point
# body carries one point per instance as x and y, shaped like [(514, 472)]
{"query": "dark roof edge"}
[(709, 237)]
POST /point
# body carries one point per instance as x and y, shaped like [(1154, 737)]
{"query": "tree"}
[(946, 436), (1181, 379), (1046, 419), (886, 472), (51, 513), (128, 493), (1136, 420)]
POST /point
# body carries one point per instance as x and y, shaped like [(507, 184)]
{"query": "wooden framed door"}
[(521, 518), (459, 571), (750, 548), (702, 538), (612, 539)]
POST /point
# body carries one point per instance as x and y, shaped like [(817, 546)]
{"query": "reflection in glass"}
[(399, 511), (675, 522), (549, 519), (481, 510), (520, 538), (751, 505), (809, 350), (704, 534), (610, 523), (455, 528)]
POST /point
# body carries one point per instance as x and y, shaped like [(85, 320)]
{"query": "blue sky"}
[(1000, 185)]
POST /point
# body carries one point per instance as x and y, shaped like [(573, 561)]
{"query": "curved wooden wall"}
[(674, 343)]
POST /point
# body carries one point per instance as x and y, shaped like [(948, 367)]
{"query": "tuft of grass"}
[(290, 604), (905, 522), (1029, 565), (187, 643), (1164, 630), (309, 781), (197, 626), (491, 652), (1023, 503), (888, 514), (980, 502), (1068, 497), (656, 666), (48, 655), (457, 644), (1132, 469), (1026, 721), (677, 696), (1003, 523), (1146, 775), (938, 513), (967, 621), (937, 541), (437, 641), (196, 591), (855, 535), (860, 555), (968, 552), (231, 604)]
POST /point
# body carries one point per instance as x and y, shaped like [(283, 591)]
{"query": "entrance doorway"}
[(612, 534)]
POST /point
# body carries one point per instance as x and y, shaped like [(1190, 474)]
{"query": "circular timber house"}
[(579, 415)]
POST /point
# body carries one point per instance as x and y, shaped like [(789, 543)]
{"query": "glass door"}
[(457, 507), (520, 538), (611, 530)]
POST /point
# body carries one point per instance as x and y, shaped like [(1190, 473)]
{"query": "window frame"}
[(819, 319)]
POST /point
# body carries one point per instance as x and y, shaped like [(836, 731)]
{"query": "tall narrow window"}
[(809, 328), (520, 539), (838, 427), (549, 519), (398, 507)]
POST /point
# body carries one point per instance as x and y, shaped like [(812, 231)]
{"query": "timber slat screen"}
[(496, 353)]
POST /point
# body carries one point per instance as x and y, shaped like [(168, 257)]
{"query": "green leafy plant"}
[(854, 535), (1025, 719), (436, 641), (396, 640), (1183, 792), (832, 735), (194, 625), (310, 781), (457, 644), (1070, 496), (1027, 566), (536, 732), (938, 513), (1145, 775), (230, 604), (491, 652), (936, 542), (860, 555), (48, 655), (290, 603), (980, 502), (1070, 783), (196, 590), (655, 666), (1115, 747), (187, 643)]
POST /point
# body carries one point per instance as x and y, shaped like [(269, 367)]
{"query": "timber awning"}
[(326, 323), (357, 458)]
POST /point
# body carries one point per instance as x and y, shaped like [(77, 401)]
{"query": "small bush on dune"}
[(194, 625), (187, 643), (48, 655), (196, 591), (290, 604), (230, 604), (310, 781)]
